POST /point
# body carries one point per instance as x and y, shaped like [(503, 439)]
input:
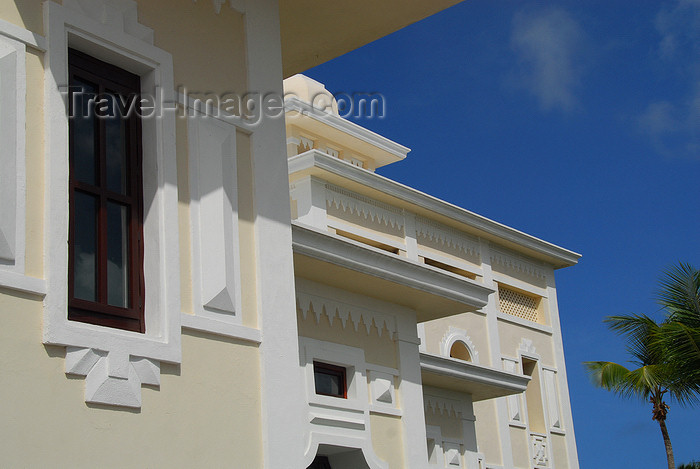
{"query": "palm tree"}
[(679, 295), (667, 355)]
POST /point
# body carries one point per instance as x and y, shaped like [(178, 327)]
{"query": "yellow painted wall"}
[(203, 415), (521, 442), (387, 439), (487, 431), (559, 453)]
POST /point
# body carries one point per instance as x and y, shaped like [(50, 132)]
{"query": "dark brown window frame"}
[(113, 80), (332, 370)]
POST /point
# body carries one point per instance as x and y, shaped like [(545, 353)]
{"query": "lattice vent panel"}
[(517, 304)]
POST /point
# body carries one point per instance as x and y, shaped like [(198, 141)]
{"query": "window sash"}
[(108, 81)]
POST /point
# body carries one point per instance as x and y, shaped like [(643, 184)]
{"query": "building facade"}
[(176, 293)]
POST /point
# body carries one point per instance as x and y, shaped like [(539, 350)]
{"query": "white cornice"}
[(481, 381), (555, 255), (374, 262), (346, 126)]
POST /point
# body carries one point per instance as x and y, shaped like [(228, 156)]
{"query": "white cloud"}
[(546, 43), (674, 127)]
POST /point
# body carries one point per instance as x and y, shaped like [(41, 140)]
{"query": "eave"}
[(343, 263), (373, 185), (480, 381), (315, 32)]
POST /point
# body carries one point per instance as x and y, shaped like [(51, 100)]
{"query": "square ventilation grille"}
[(518, 304)]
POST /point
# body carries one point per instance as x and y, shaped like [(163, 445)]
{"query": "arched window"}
[(460, 351)]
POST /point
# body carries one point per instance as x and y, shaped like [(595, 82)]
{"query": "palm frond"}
[(679, 293), (639, 329)]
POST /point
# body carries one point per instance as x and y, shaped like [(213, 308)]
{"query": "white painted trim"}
[(22, 283), (216, 274), (20, 34), (524, 323), (13, 92), (454, 334), (336, 421), (508, 281), (111, 39), (222, 328), (346, 126), (557, 256), (376, 262)]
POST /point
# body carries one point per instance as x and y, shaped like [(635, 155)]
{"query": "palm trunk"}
[(667, 443)]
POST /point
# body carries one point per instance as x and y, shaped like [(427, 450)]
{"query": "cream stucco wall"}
[(205, 414), (387, 439), (487, 434)]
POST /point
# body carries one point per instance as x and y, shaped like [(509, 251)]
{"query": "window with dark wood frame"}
[(330, 380), (105, 263)]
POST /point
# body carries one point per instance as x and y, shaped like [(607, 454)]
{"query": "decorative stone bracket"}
[(112, 378)]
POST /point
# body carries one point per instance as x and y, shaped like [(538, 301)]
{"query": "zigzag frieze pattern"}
[(442, 406), (516, 263), (117, 14), (446, 236), (346, 313), (365, 207)]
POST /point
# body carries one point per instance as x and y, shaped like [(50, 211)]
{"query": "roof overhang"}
[(481, 382), (342, 173), (343, 263), (314, 32)]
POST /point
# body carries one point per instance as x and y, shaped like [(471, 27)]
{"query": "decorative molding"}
[(538, 448), (453, 458), (13, 85), (119, 15), (446, 236), (317, 162), (17, 33), (237, 5), (552, 398), (514, 262), (454, 334), (112, 378), (222, 328), (365, 207), (514, 401), (214, 219), (527, 348), (108, 30), (383, 392), (443, 406), (346, 312)]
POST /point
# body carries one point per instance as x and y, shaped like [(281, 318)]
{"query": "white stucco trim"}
[(455, 334), (13, 90), (336, 421), (557, 256), (22, 283), (224, 329), (524, 323), (216, 274), (346, 126), (108, 30), (30, 39)]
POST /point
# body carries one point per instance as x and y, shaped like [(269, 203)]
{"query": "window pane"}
[(327, 384), (115, 147), (85, 246), (117, 255), (83, 121)]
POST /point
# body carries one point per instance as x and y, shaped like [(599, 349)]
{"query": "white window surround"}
[(454, 334), (113, 360), (336, 421)]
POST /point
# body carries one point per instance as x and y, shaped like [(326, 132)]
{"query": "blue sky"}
[(576, 122)]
